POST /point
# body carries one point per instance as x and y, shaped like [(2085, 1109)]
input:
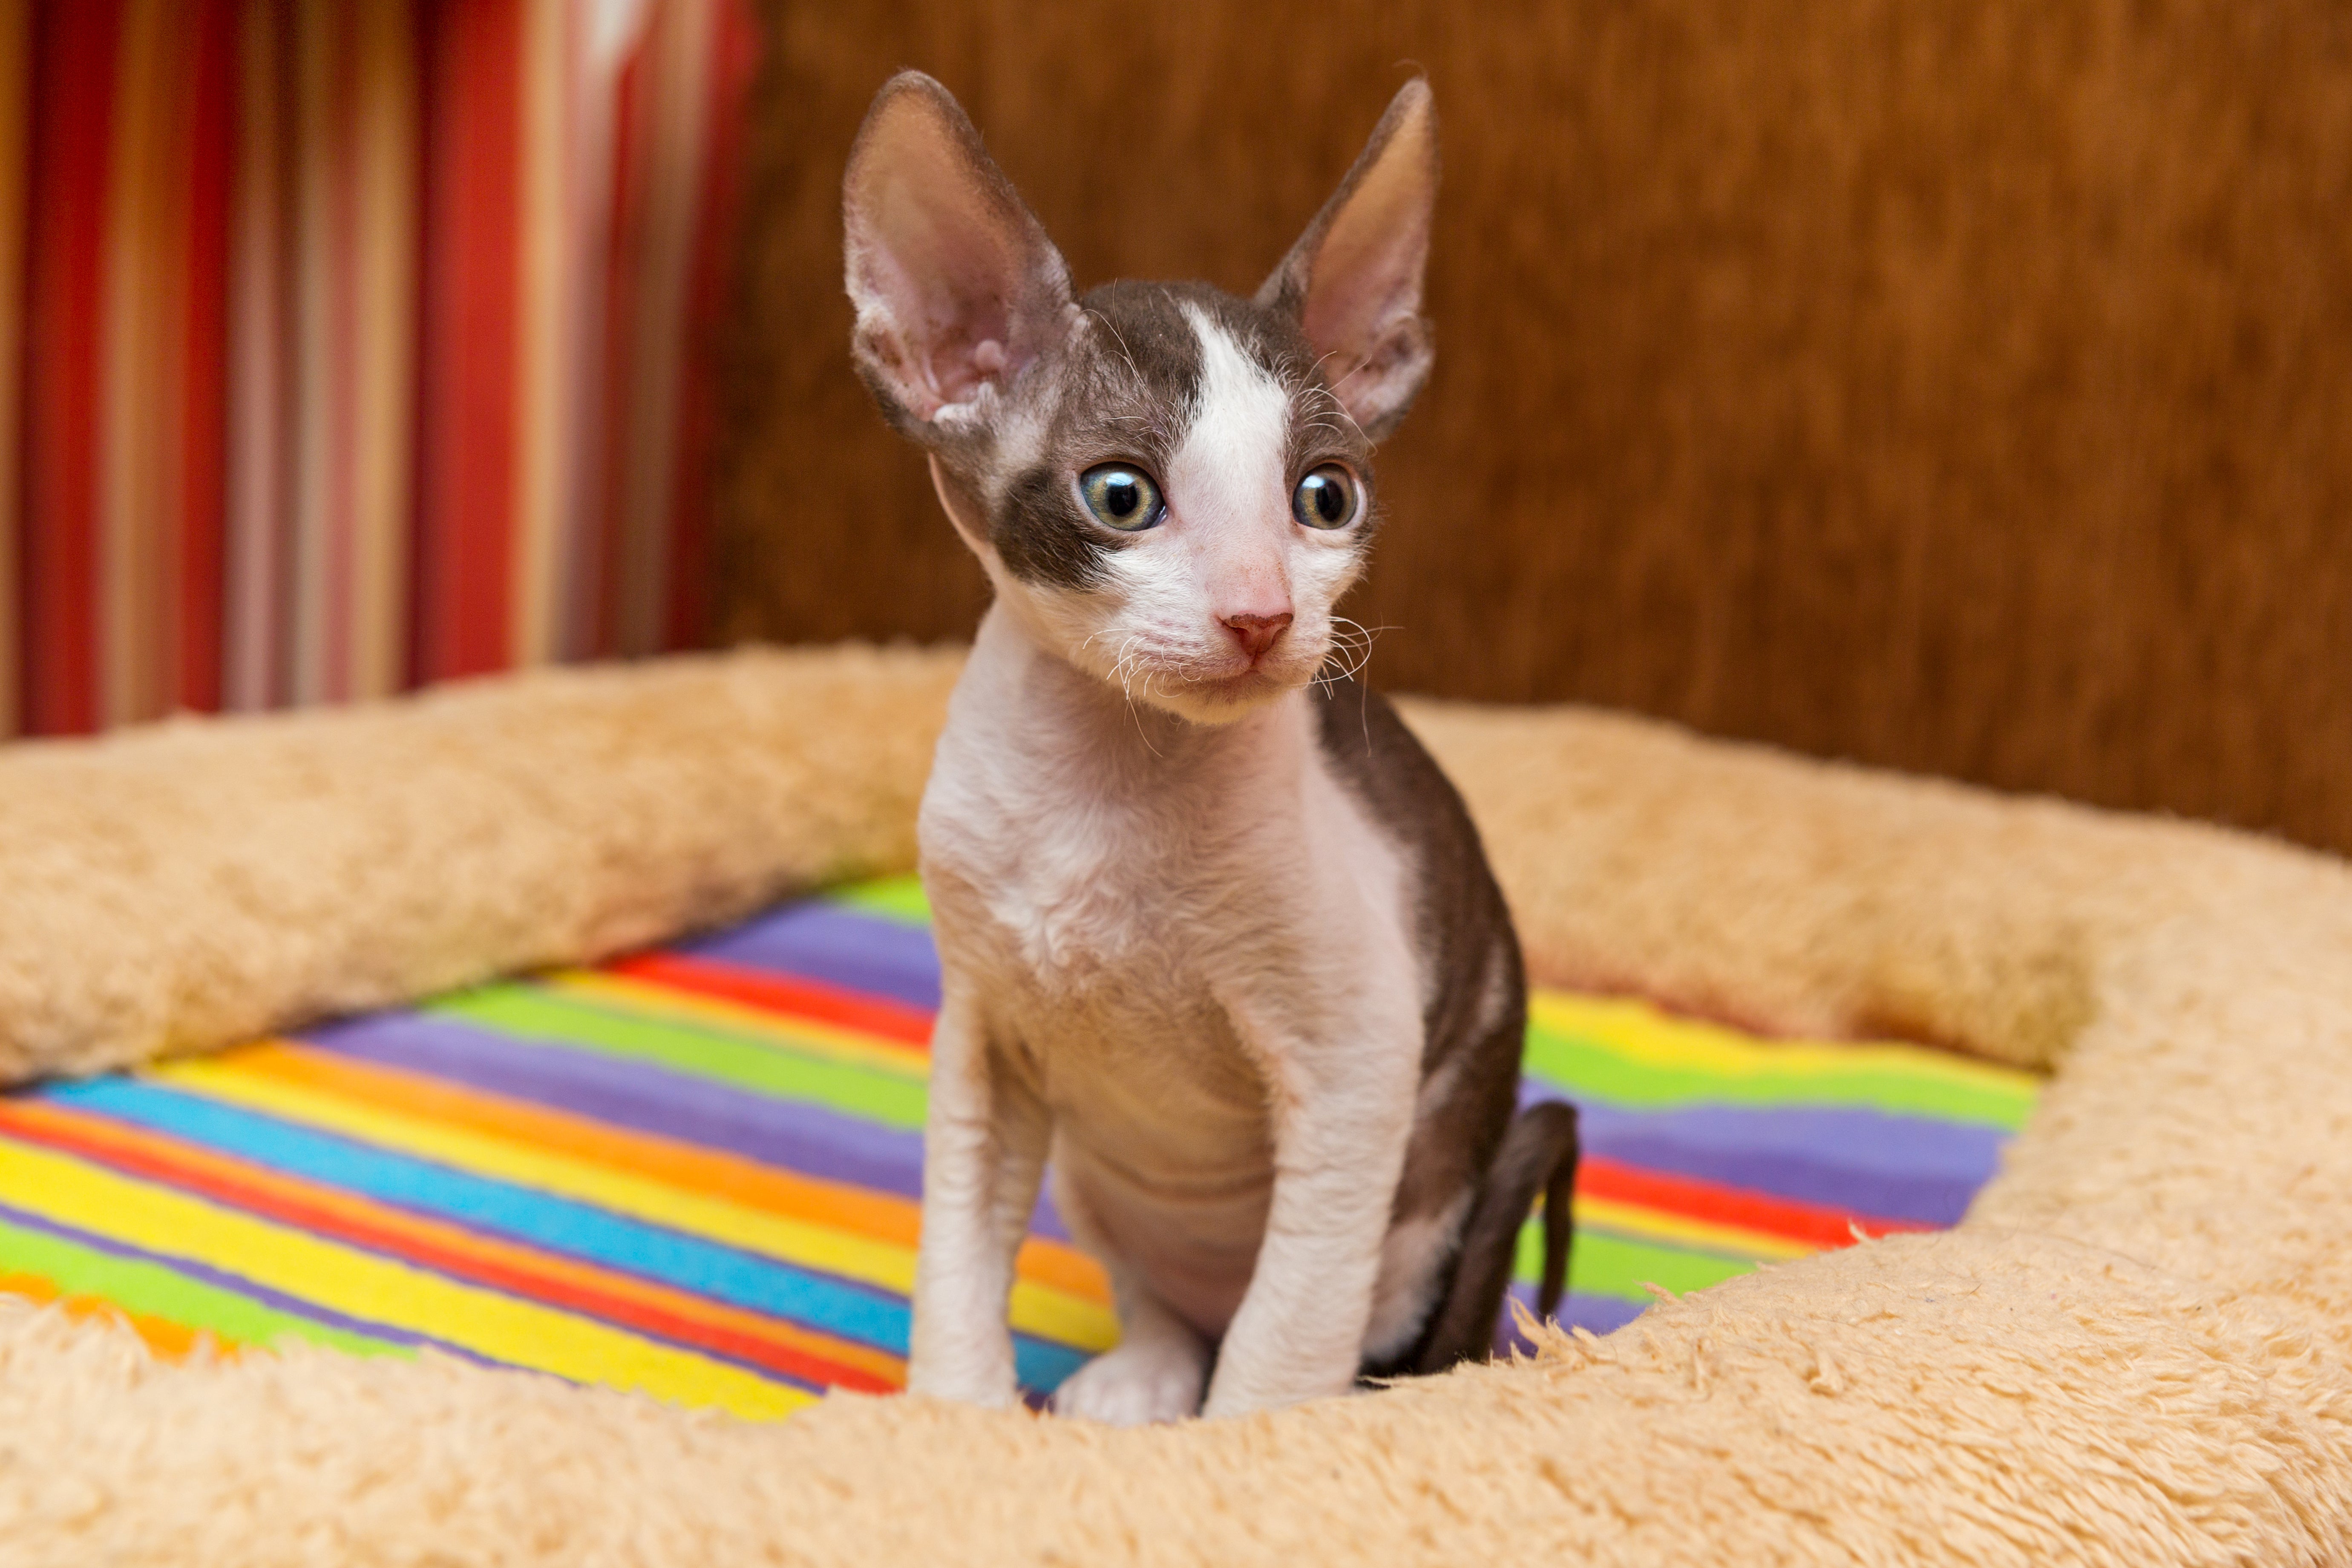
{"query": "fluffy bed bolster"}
[(2134, 1351), (182, 887)]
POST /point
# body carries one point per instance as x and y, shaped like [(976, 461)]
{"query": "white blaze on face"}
[(1226, 488)]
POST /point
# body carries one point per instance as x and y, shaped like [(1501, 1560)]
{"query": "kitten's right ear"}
[(956, 286), (1353, 281)]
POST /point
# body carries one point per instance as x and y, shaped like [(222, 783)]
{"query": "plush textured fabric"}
[(182, 887), (2134, 1350)]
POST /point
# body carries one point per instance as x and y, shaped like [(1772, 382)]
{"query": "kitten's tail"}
[(1538, 1155)]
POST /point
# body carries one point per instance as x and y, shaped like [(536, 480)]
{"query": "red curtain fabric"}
[(351, 344)]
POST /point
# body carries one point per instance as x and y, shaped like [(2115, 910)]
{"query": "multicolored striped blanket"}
[(693, 1171)]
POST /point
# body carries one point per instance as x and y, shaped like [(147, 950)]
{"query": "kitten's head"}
[(1171, 485)]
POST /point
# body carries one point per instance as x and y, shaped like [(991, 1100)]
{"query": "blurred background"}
[(1962, 389), (353, 344)]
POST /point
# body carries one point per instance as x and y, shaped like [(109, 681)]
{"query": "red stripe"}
[(468, 374), (1693, 1198), (140, 1151), (625, 215), (339, 217), (74, 51), (810, 999), (727, 79), (205, 449)]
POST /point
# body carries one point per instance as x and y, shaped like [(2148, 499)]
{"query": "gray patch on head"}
[(1043, 535), (1127, 387), (1146, 353)]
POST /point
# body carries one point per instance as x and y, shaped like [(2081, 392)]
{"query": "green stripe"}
[(1589, 1068), (151, 1290), (762, 1067), (898, 898), (1606, 1263), (656, 1003)]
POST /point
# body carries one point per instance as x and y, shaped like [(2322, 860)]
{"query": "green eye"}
[(1325, 498), (1121, 497)]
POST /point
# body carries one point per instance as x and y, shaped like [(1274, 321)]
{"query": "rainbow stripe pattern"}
[(693, 1171), (352, 345)]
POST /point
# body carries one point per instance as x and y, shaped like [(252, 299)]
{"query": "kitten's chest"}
[(1165, 911), (1049, 872)]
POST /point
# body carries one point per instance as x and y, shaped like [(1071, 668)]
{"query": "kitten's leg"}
[(983, 1151), (1156, 1369), (1341, 1122)]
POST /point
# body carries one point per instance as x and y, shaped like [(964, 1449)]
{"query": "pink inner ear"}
[(938, 251), (1367, 272)]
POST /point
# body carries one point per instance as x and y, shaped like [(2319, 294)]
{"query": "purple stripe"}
[(808, 1139), (824, 941), (1594, 1315), (238, 1285), (1893, 1167)]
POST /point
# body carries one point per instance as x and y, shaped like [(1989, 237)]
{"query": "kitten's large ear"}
[(1353, 280), (956, 286)]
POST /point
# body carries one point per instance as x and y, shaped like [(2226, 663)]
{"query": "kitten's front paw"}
[(988, 1386), (1136, 1384)]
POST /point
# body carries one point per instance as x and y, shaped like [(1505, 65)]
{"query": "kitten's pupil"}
[(1329, 500), (1123, 495)]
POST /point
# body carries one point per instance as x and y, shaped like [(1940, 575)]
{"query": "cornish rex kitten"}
[(1215, 934)]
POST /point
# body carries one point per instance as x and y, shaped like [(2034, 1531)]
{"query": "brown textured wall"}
[(1963, 388)]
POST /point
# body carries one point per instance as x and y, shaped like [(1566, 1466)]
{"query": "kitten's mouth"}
[(1251, 676), (1212, 687)]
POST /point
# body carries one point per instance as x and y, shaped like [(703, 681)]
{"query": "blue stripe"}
[(724, 1273), (812, 1140)]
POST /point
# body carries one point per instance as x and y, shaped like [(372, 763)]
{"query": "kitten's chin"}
[(1224, 700)]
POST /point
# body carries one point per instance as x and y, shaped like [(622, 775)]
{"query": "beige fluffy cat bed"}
[(2137, 1349)]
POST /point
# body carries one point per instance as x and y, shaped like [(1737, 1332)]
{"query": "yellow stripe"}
[(1639, 1031), (830, 1041), (363, 1285), (1656, 1224), (1036, 1309)]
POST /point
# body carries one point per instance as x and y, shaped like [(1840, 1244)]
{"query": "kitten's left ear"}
[(1353, 280)]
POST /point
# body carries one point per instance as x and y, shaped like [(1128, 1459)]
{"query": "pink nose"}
[(1256, 633)]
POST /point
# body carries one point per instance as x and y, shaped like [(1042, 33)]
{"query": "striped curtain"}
[(351, 344)]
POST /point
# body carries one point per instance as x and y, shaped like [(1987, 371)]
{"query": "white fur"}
[(1410, 1255), (1214, 1008)]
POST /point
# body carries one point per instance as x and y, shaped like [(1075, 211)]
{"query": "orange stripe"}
[(1714, 1202), (260, 417), (379, 215), (408, 1231), (140, 361), (881, 1216), (168, 1340), (786, 995)]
